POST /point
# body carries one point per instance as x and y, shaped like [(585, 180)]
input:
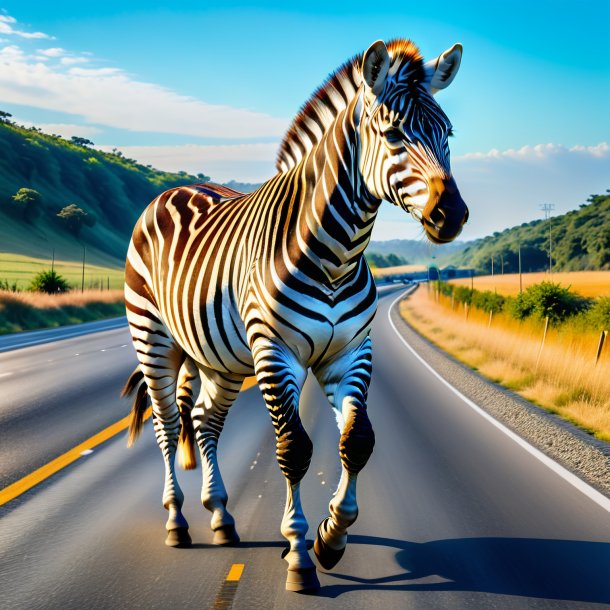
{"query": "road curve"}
[(453, 512)]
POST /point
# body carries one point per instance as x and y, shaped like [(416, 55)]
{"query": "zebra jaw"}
[(446, 213)]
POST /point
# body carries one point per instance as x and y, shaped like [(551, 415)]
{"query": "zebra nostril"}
[(438, 217)]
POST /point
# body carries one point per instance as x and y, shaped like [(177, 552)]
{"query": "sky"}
[(211, 88)]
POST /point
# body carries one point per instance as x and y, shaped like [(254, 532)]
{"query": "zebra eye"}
[(394, 136)]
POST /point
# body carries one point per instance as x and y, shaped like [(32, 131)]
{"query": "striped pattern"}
[(221, 285)]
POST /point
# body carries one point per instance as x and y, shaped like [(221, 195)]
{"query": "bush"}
[(488, 301), (50, 282), (547, 299), (462, 294), (598, 316)]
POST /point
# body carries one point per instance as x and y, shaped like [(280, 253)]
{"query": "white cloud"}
[(66, 130), (108, 96), (242, 162), (7, 28), (52, 52)]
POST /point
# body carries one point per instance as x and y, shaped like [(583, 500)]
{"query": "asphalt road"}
[(453, 513)]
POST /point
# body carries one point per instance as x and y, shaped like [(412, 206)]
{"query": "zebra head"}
[(404, 155)]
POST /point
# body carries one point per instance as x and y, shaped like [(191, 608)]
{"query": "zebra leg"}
[(160, 361), (217, 394), (345, 380), (280, 376)]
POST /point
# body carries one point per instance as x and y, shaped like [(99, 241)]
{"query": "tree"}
[(50, 282), (28, 201), (81, 141), (5, 116), (74, 218)]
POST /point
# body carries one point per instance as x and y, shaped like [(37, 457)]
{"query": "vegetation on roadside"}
[(539, 301), (559, 373), (21, 311)]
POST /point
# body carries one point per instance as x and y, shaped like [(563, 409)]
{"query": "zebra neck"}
[(338, 212)]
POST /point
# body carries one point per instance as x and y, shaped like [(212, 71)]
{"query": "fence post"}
[(491, 315), (600, 346), (546, 328), (466, 311)]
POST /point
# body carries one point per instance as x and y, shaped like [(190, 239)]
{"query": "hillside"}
[(111, 189), (415, 252), (580, 242)]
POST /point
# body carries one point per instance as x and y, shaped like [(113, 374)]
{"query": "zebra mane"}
[(333, 96)]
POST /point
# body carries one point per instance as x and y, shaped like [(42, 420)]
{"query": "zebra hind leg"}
[(217, 394), (280, 377), (345, 380), (160, 360)]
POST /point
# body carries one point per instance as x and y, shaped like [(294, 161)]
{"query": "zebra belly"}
[(214, 336)]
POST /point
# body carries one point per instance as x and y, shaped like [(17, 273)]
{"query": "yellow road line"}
[(44, 472), (235, 572)]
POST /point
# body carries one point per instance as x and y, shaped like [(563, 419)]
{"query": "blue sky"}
[(209, 88)]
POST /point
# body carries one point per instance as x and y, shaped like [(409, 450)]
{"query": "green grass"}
[(20, 269)]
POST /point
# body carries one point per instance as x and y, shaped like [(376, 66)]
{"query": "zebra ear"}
[(442, 70), (375, 66)]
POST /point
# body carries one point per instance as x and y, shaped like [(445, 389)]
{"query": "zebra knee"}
[(294, 450), (357, 441)]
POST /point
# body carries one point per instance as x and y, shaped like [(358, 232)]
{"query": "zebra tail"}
[(136, 384), (187, 457)]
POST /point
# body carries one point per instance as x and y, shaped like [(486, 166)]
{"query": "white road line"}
[(557, 468), (6, 374)]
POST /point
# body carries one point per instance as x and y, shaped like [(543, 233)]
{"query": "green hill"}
[(580, 241), (111, 189), (415, 252)]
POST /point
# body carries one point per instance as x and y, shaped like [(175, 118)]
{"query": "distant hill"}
[(580, 242), (415, 252), (244, 187), (111, 189)]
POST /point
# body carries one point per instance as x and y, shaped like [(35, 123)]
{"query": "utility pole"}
[(492, 265), (547, 208), (502, 261), (82, 284), (520, 278), (53, 262)]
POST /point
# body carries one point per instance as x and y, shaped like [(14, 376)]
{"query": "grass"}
[(21, 311), (383, 271), (563, 378), (20, 269), (587, 283)]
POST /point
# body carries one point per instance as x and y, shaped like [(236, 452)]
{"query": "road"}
[(453, 512)]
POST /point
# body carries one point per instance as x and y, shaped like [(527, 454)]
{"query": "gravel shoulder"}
[(582, 454)]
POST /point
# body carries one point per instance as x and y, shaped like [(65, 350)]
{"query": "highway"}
[(453, 512)]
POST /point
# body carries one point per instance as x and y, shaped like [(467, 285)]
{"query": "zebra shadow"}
[(565, 570)]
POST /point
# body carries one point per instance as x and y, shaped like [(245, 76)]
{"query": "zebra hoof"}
[(303, 580), (326, 556), (178, 538), (226, 535)]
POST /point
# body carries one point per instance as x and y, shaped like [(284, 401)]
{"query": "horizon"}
[(517, 147)]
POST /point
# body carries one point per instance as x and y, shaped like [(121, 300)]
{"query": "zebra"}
[(222, 285)]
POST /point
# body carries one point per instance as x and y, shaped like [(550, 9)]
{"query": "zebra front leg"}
[(345, 380), (217, 394), (280, 376)]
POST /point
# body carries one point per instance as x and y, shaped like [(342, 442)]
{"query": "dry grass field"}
[(383, 271), (562, 377), (587, 283), (21, 311)]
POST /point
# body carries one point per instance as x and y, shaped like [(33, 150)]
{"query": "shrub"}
[(50, 282), (488, 301), (462, 294), (598, 316), (547, 299)]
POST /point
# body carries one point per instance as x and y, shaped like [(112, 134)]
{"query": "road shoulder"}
[(577, 451)]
